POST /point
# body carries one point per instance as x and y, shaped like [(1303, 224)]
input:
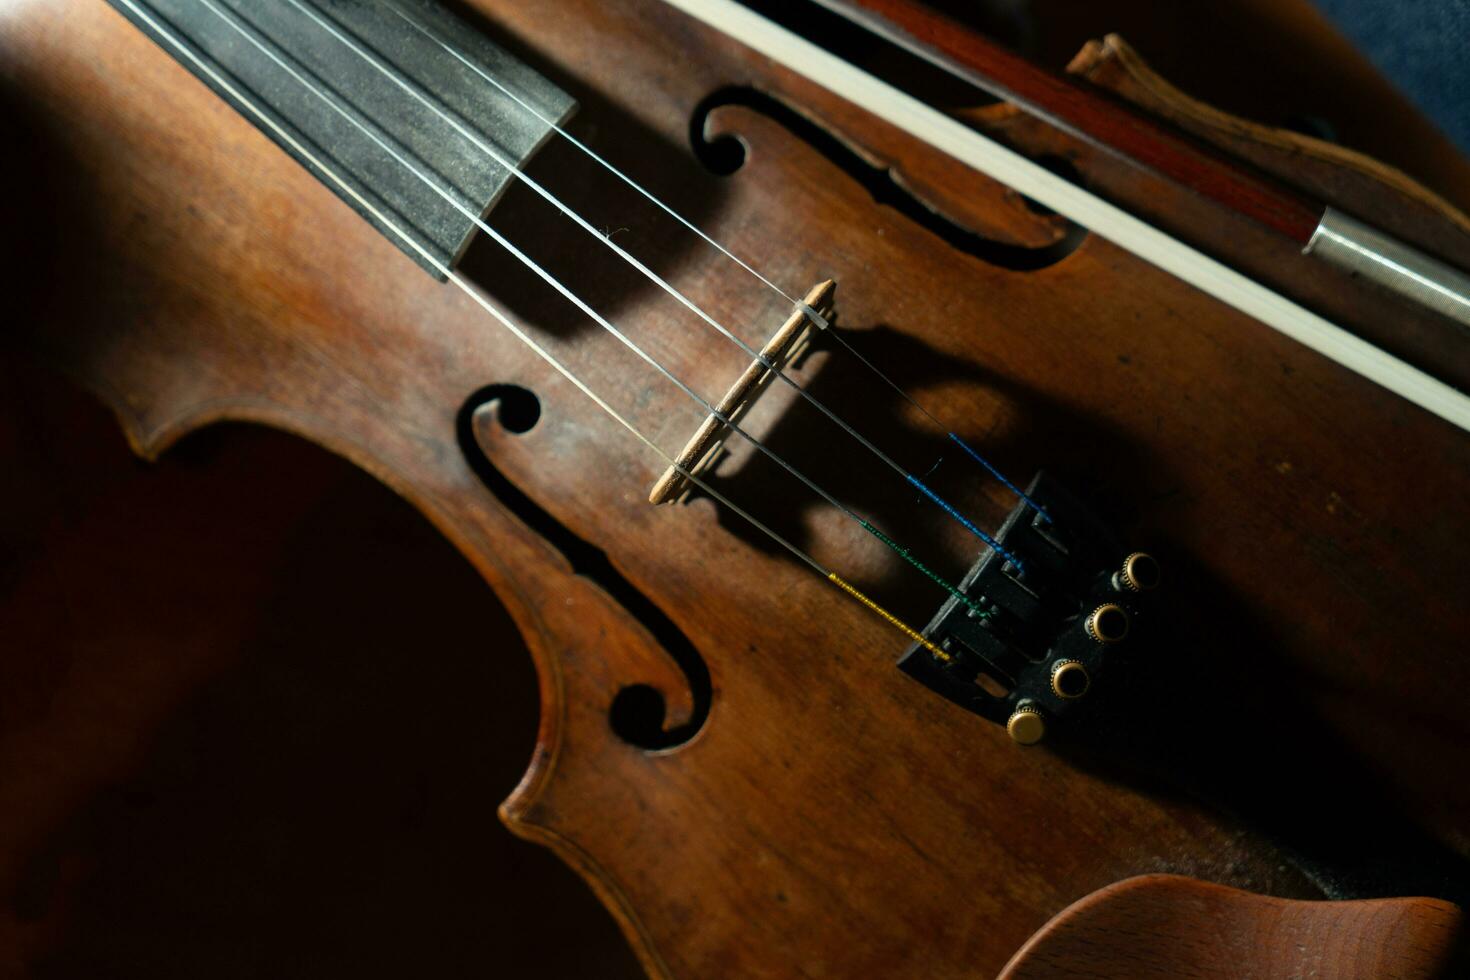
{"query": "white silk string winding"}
[(977, 151)]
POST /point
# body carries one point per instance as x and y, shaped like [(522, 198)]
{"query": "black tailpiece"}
[(1047, 641)]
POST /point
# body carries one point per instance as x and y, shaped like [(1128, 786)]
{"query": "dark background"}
[(256, 715)]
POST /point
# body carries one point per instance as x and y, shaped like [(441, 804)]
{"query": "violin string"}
[(821, 321), (453, 52), (429, 103), (602, 321), (265, 121)]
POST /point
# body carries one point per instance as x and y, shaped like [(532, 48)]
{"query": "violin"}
[(950, 542)]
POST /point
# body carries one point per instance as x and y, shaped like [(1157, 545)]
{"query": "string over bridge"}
[(786, 345)]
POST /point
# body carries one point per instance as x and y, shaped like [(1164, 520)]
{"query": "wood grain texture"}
[(1160, 927), (832, 817)]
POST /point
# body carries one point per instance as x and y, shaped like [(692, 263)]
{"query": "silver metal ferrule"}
[(1363, 250)]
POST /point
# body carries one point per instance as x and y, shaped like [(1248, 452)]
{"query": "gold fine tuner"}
[(1140, 573), (1026, 726), (1069, 679), (1107, 623)]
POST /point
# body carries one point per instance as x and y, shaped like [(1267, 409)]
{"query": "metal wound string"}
[(469, 290), (582, 305), (811, 313), (502, 160), (505, 90)]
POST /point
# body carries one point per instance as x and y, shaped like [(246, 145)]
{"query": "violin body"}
[(829, 815)]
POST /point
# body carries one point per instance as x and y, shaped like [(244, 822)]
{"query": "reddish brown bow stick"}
[(1318, 229)]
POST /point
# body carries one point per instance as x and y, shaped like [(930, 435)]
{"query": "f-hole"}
[(638, 712), (725, 154)]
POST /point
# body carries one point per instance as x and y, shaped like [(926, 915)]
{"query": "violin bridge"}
[(707, 444)]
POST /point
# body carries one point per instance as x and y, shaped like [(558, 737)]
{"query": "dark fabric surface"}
[(1421, 45)]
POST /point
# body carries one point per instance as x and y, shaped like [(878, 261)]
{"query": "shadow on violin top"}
[(1016, 428), (695, 188)]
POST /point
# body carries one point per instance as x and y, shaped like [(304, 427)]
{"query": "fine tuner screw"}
[(1026, 725), (1140, 573), (1108, 623), (1069, 679)]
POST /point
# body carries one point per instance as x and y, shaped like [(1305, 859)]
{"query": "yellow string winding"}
[(893, 620)]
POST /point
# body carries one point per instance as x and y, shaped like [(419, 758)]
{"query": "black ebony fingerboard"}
[(350, 79)]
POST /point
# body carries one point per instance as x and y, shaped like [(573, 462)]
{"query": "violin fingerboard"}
[(402, 102)]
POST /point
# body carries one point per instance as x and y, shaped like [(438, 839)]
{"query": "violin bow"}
[(1318, 229)]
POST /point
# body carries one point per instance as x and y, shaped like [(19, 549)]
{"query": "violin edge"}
[(1158, 926)]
